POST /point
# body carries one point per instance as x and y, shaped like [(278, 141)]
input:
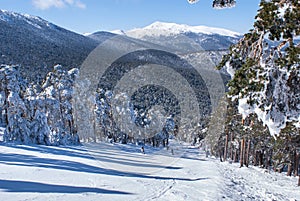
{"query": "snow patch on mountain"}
[(118, 31), (169, 29), (35, 21), (87, 34)]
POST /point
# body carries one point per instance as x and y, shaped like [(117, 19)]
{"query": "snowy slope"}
[(121, 172), (254, 183)]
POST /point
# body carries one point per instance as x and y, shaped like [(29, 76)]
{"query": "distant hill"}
[(101, 36), (38, 45)]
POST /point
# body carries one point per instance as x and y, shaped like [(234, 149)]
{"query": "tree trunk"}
[(268, 160), (60, 107), (231, 146), (296, 170), (235, 158), (220, 155), (294, 158), (242, 153), (289, 172), (153, 141), (6, 106), (226, 147), (247, 153), (256, 158), (261, 156)]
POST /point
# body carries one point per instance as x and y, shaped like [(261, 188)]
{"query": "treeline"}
[(125, 123), (43, 113)]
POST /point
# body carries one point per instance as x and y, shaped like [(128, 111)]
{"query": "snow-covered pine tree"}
[(33, 103), (40, 128), (13, 107), (56, 94), (265, 66), (264, 91), (35, 114), (104, 125), (123, 118)]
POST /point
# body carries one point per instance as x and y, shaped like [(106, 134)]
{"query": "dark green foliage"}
[(223, 3), (266, 63), (269, 53)]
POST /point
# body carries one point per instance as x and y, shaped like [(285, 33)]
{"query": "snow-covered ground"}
[(254, 183), (2, 129), (121, 172)]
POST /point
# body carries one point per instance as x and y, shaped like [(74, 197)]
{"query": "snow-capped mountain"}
[(171, 29), (38, 45), (183, 38)]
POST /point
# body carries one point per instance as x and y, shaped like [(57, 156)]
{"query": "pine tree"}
[(266, 64), (15, 111), (40, 128), (56, 97), (264, 91)]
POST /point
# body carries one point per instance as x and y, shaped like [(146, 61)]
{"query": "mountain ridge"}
[(166, 29), (37, 45)]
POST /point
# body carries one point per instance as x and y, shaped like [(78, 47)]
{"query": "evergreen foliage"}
[(264, 93), (266, 64)]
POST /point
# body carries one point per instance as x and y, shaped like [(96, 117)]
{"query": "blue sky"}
[(84, 16)]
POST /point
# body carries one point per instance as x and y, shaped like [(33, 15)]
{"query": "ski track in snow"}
[(254, 183), (120, 172)]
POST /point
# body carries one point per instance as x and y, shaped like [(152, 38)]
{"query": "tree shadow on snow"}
[(65, 151), (34, 161), (35, 187), (107, 155)]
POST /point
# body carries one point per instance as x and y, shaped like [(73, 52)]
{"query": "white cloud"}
[(80, 5), (45, 4)]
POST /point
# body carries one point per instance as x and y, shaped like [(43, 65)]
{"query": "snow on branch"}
[(221, 4)]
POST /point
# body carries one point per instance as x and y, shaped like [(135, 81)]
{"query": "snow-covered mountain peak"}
[(169, 29)]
